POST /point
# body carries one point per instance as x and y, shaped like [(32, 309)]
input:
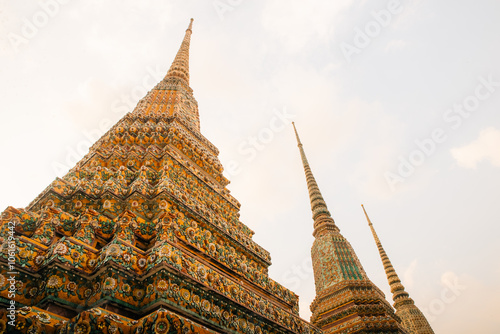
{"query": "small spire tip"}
[(296, 134), (367, 218)]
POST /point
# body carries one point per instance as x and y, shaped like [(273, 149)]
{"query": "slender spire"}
[(180, 65), (346, 300), (411, 316), (321, 216), (172, 96), (397, 289)]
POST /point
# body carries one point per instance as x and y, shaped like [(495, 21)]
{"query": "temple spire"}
[(346, 300), (180, 65), (321, 216), (172, 96), (397, 289), (412, 318)]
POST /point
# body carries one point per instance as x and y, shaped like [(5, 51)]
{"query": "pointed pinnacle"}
[(375, 236), (180, 65), (296, 134), (321, 216), (398, 290)]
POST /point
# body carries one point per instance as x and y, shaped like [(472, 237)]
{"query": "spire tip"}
[(367, 218), (296, 134), (180, 65)]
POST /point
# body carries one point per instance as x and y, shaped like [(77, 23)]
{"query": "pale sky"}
[(397, 105)]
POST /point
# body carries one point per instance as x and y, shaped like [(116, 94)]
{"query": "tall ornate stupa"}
[(412, 318), (346, 300), (142, 236)]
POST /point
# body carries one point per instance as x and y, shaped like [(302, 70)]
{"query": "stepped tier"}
[(70, 264), (354, 306)]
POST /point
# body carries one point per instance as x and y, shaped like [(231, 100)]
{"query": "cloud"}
[(409, 274), (485, 147), (296, 22), (395, 44), (458, 299), (412, 12), (375, 131)]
